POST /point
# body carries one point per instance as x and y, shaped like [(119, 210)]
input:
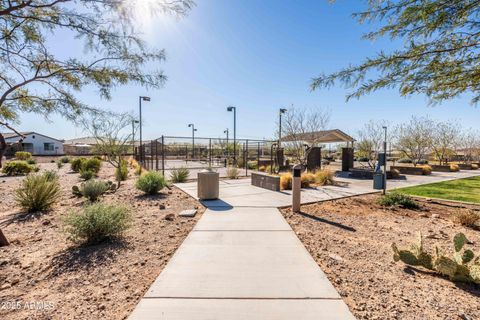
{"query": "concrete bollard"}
[(296, 187)]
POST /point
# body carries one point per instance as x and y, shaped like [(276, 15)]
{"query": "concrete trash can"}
[(207, 185)]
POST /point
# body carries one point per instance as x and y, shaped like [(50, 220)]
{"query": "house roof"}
[(81, 141), (324, 136), (8, 135)]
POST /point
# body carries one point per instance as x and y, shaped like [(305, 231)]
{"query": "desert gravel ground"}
[(43, 275), (350, 239)]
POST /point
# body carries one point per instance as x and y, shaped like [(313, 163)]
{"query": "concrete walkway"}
[(241, 263)]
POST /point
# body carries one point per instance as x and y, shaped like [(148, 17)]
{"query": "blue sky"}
[(258, 56)]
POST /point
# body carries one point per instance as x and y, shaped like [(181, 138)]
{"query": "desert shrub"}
[(18, 167), (363, 159), (76, 164), (92, 164), (64, 159), (92, 189), (98, 157), (397, 199), (468, 218), (270, 168), (59, 164), (422, 161), (252, 165), (138, 170), (306, 179), (454, 167), (23, 155), (286, 181), (394, 173), (179, 175), (474, 166), (86, 174), (426, 170), (38, 192), (50, 175), (98, 222), (31, 161), (324, 177), (240, 162), (261, 168), (232, 173), (151, 182), (121, 173), (404, 160)]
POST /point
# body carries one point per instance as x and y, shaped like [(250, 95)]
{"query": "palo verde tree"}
[(35, 78), (439, 56)]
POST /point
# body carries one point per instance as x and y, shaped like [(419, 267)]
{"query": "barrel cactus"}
[(462, 267)]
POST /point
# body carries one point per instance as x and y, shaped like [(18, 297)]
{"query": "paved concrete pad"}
[(240, 218), (242, 264), (241, 309)]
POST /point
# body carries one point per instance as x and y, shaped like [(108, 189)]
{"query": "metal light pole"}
[(226, 131), (133, 135), (385, 163), (140, 99), (191, 125), (281, 111), (234, 109)]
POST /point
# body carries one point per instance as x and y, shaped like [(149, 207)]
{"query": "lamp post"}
[(133, 134), (234, 110), (226, 131), (385, 163), (281, 111), (140, 99), (191, 125)]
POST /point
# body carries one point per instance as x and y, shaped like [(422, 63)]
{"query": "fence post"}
[(246, 159), (210, 152), (163, 156), (156, 154), (258, 155)]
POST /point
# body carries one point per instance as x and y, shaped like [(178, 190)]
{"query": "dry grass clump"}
[(467, 218), (232, 173), (38, 192), (454, 167), (324, 177), (286, 181), (306, 179), (426, 170), (474, 166)]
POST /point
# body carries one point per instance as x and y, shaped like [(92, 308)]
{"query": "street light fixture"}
[(140, 99), (191, 125), (281, 111), (234, 110)]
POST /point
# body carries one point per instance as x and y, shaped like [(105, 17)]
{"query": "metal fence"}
[(167, 153)]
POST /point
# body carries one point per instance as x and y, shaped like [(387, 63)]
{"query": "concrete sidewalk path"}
[(242, 263)]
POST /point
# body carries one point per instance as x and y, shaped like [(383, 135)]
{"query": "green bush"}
[(59, 164), (404, 160), (86, 174), (76, 164), (397, 199), (92, 164), (38, 192), (92, 189), (179, 175), (50, 175), (252, 165), (18, 167), (31, 161), (151, 182), (64, 159), (23, 155), (98, 222), (121, 173)]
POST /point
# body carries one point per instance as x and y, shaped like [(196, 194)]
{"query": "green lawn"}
[(461, 190)]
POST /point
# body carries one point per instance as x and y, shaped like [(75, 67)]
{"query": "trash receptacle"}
[(207, 185), (378, 181)]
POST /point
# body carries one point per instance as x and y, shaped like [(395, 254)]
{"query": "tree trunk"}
[(3, 240), (3, 147)]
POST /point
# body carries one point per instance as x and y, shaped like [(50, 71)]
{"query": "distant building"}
[(33, 142), (79, 146)]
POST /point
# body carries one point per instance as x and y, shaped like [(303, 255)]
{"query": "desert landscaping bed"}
[(351, 241), (43, 275)]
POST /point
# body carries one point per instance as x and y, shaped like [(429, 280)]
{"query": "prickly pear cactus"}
[(460, 268)]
